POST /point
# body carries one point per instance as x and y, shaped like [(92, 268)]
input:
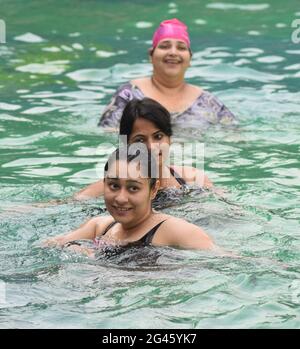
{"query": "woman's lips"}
[(172, 61), (122, 211)]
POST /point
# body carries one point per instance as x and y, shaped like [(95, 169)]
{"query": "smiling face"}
[(145, 131), (171, 57), (128, 199)]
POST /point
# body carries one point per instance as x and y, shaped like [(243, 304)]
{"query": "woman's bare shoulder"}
[(177, 223), (195, 89), (102, 223), (188, 173), (178, 232), (140, 82)]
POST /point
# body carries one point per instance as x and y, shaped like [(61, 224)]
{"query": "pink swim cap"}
[(173, 29)]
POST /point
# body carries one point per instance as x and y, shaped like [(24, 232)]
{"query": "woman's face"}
[(144, 131), (127, 194), (171, 57)]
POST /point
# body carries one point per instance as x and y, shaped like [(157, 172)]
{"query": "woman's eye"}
[(159, 136), (163, 46), (182, 48), (133, 189), (139, 140), (113, 186)]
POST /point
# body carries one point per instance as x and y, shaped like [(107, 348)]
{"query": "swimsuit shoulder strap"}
[(147, 238), (108, 227), (179, 179)]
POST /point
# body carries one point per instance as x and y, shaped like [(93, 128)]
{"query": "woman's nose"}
[(173, 50), (121, 197), (148, 144), (155, 148), (152, 145)]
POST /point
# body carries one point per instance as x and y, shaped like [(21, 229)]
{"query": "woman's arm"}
[(87, 231), (113, 112), (93, 190)]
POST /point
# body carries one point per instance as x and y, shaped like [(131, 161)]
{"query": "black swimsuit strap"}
[(108, 227), (179, 179), (145, 240)]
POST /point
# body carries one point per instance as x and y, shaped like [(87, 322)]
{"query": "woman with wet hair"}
[(130, 184), (148, 122)]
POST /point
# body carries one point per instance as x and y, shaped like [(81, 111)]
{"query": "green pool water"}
[(54, 84)]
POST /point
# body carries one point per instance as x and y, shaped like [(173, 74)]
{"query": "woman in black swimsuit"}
[(129, 188), (146, 121)]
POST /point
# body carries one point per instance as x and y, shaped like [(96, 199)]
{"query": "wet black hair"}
[(136, 152), (147, 109)]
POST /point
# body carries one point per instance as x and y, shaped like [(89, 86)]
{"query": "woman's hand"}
[(57, 241), (81, 250)]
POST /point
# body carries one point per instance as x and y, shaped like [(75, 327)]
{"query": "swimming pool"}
[(55, 82)]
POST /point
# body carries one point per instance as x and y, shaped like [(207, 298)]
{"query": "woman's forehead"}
[(143, 126), (121, 169)]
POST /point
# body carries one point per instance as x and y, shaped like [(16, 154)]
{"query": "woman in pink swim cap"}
[(170, 56)]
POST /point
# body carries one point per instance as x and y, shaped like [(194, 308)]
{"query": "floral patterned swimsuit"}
[(205, 110)]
